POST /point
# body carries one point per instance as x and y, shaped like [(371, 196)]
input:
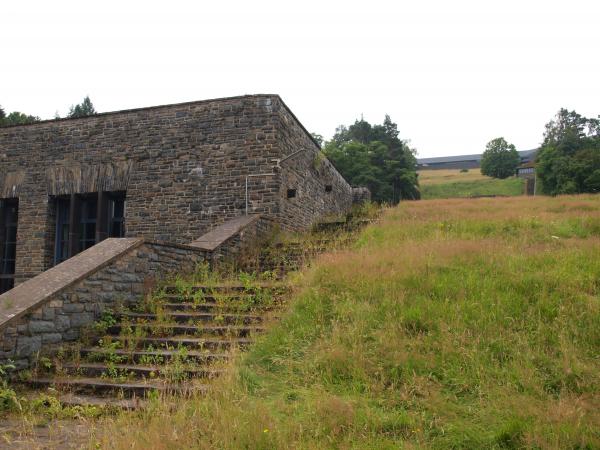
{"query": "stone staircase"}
[(180, 338), (176, 342)]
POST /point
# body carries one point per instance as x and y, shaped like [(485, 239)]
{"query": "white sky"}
[(452, 74)]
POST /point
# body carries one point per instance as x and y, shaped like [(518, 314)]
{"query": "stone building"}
[(166, 173)]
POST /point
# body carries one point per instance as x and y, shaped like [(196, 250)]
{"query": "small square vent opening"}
[(291, 193)]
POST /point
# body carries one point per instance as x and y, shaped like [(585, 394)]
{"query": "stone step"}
[(88, 369), (169, 329), (127, 389), (156, 357), (69, 399), (215, 308), (226, 288), (183, 341), (208, 298), (194, 316)]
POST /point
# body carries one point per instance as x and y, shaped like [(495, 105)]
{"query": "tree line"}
[(374, 156), (567, 162), (83, 109)]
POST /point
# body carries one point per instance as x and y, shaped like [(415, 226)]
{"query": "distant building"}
[(527, 172), (465, 161)]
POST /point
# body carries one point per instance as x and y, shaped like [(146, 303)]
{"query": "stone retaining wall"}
[(51, 308), (45, 319)]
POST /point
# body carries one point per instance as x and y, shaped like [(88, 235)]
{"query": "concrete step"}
[(127, 389), (90, 369), (195, 316), (183, 341), (170, 329), (156, 357)]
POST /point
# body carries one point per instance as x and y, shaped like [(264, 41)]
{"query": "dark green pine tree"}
[(83, 109)]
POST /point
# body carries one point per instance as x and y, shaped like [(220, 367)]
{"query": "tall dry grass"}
[(450, 324)]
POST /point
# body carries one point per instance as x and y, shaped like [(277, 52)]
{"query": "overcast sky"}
[(452, 74)]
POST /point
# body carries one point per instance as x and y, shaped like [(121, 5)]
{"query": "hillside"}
[(451, 183), (450, 324)]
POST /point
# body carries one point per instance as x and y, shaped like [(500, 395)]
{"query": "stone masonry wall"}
[(183, 167), (320, 190), (60, 318)]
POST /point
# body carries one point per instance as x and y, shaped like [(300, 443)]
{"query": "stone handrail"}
[(222, 233), (34, 292)]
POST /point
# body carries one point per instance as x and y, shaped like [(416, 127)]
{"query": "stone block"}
[(41, 326), (48, 313), (27, 346), (51, 338), (71, 335), (73, 308), (81, 319), (62, 322)]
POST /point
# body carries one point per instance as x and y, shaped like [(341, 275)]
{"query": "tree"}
[(374, 156), (500, 159), (84, 109), (568, 161), (318, 139), (16, 118)]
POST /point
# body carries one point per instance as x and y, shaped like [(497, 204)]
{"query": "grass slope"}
[(468, 324), (456, 184)]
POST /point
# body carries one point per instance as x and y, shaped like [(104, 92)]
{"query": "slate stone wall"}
[(320, 190), (60, 318), (183, 167), (361, 195)]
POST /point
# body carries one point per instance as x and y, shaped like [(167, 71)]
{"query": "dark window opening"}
[(61, 244), (291, 193), (9, 217), (87, 222), (328, 188), (84, 220), (116, 215)]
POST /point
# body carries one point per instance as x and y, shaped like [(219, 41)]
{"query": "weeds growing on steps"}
[(469, 324), (116, 351)]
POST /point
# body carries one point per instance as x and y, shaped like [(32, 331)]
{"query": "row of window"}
[(81, 222)]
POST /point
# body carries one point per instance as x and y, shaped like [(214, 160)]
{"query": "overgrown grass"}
[(459, 324), (457, 184)]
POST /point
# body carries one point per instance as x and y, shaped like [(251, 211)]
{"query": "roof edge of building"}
[(144, 108)]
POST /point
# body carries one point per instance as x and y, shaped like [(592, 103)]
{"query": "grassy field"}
[(455, 184), (464, 324)]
